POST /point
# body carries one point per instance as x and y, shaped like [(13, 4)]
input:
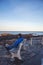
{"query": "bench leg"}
[(18, 52)]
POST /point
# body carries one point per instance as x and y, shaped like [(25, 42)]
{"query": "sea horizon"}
[(23, 32)]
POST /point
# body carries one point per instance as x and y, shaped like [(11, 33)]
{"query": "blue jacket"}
[(15, 44)]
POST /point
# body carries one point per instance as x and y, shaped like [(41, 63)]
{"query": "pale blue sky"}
[(21, 15)]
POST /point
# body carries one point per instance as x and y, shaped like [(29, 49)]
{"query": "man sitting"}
[(15, 48)]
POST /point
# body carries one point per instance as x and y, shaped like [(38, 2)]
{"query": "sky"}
[(21, 15)]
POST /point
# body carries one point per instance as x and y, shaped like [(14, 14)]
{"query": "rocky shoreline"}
[(31, 55), (10, 37)]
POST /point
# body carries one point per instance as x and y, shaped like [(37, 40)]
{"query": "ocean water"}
[(23, 32)]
